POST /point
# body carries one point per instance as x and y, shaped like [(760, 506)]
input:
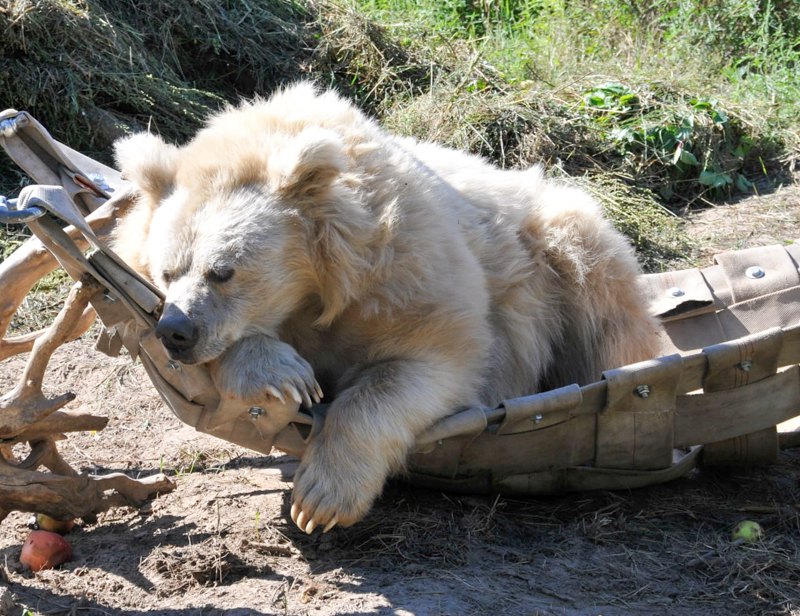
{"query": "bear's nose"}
[(177, 332)]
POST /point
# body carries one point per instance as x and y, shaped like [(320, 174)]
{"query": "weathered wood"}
[(26, 405), (59, 422), (28, 416), (73, 496)]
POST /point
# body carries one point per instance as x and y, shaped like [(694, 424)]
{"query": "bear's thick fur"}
[(298, 243)]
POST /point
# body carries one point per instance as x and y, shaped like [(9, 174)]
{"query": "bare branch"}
[(26, 405), (28, 416), (31, 261), (68, 496)]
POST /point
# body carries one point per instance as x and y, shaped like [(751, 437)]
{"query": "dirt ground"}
[(222, 544)]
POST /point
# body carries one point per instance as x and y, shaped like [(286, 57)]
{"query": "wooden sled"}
[(731, 378)]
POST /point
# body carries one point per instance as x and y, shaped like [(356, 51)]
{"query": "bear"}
[(304, 249)]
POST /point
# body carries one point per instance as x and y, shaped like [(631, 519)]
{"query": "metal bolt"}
[(746, 365), (537, 418), (100, 181), (255, 412), (173, 365), (10, 126), (439, 443), (108, 298), (676, 292), (643, 391), (755, 272)]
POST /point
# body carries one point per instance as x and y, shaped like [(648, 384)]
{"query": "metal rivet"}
[(755, 272), (746, 365), (255, 412), (676, 292), (108, 298), (173, 365), (643, 391), (537, 418), (10, 126), (439, 443), (100, 182)]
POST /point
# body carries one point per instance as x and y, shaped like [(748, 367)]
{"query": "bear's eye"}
[(219, 274)]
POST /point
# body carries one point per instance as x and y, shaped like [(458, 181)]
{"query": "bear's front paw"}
[(261, 365), (287, 376), (328, 493)]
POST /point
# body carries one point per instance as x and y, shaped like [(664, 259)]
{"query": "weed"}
[(190, 459), (692, 143)]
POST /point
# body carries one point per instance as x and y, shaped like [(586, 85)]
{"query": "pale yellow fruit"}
[(748, 531), (45, 522)]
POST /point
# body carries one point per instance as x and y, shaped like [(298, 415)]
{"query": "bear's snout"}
[(177, 333)]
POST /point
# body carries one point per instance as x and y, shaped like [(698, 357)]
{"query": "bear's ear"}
[(310, 163), (147, 161)]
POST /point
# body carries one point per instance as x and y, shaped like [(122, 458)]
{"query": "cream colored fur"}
[(407, 278)]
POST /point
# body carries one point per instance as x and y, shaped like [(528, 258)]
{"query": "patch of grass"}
[(676, 104), (359, 57), (91, 71), (695, 102), (42, 304), (192, 459), (687, 148)]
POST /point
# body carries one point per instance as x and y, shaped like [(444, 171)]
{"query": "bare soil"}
[(222, 543)]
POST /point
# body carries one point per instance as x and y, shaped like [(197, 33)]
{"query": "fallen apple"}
[(748, 532), (44, 549), (61, 527)]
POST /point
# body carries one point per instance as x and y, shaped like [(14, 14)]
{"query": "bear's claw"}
[(330, 524), (308, 522), (275, 393)]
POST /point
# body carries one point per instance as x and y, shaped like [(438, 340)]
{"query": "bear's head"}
[(242, 227)]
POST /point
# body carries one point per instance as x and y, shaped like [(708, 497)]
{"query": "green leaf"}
[(623, 134), (701, 104), (687, 158), (743, 184), (678, 153), (715, 179), (596, 100), (615, 88), (744, 147), (628, 100)]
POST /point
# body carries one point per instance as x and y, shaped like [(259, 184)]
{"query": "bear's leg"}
[(367, 434)]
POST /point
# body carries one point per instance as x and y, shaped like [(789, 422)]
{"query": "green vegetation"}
[(694, 101), (656, 105)]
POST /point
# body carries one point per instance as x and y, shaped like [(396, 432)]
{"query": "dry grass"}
[(364, 60), (92, 71)]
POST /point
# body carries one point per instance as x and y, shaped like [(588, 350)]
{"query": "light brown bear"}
[(298, 242)]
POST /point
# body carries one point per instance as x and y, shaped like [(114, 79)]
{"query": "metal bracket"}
[(10, 215)]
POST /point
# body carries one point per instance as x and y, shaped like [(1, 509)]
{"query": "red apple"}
[(45, 550)]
